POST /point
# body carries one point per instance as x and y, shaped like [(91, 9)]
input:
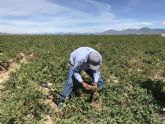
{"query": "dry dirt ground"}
[(4, 75), (49, 101), (13, 65)]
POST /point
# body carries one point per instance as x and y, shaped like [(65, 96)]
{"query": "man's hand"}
[(85, 85), (89, 87), (94, 86)]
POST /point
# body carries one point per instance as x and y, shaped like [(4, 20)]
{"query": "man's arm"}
[(96, 75), (76, 71)]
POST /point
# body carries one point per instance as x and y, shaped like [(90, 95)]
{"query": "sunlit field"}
[(133, 70)]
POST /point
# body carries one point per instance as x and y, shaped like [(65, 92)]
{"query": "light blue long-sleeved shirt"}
[(78, 59)]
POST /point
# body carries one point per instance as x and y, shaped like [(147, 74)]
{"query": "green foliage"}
[(133, 60)]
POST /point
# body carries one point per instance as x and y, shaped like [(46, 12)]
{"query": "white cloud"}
[(146, 23), (33, 27), (40, 16), (27, 7), (43, 16), (162, 23)]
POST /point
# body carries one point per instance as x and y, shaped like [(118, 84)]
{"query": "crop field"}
[(133, 70)]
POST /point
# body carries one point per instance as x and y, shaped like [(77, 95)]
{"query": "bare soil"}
[(13, 65), (49, 101)]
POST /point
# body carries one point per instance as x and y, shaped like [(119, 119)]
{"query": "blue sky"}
[(50, 16)]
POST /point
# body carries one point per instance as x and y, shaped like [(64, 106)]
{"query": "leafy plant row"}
[(134, 61)]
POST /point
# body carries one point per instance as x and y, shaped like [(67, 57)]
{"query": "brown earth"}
[(49, 101), (13, 65), (4, 75)]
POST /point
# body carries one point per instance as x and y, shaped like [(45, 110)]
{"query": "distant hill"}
[(144, 30), (3, 33), (141, 31)]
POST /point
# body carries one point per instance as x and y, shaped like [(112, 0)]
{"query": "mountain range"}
[(143, 30)]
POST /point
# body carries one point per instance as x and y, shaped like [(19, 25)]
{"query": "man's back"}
[(80, 54)]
